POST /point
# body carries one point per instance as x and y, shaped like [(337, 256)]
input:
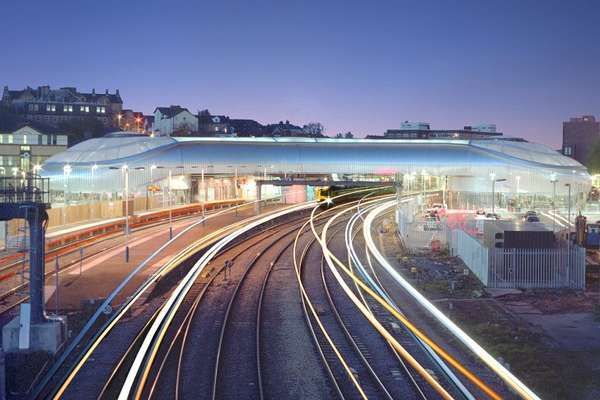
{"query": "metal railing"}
[(24, 188), (555, 268)]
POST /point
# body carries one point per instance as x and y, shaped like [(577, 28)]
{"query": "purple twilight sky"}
[(353, 65)]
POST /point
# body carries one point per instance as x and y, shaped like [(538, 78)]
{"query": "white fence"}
[(521, 268), (473, 254), (418, 234)]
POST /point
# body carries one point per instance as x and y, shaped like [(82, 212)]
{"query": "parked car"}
[(532, 218), (492, 216), (480, 211), (528, 214), (432, 224)]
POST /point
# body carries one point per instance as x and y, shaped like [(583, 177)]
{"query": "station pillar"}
[(257, 206), (37, 218)]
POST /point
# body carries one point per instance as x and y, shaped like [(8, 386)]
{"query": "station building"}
[(209, 168)]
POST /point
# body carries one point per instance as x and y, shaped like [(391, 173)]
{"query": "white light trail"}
[(490, 361)]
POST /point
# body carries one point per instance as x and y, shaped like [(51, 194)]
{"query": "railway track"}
[(160, 378), (206, 340), (378, 371), (227, 315), (58, 379), (178, 341)]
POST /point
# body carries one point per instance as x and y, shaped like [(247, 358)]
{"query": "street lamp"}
[(119, 116), (66, 172), (554, 180), (518, 179), (152, 168), (494, 180), (165, 203), (94, 168), (569, 207), (125, 172), (170, 206)]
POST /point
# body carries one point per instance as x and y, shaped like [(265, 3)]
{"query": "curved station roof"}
[(534, 166)]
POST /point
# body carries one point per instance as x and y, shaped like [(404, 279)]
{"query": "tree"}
[(349, 135), (315, 129), (593, 158)]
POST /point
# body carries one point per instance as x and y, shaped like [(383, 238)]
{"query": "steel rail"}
[(156, 333), (143, 331), (307, 302), (470, 343), (408, 324), (353, 259), (188, 318), (322, 239), (378, 287), (347, 333), (88, 348)]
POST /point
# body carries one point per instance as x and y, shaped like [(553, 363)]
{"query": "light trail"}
[(402, 319), (149, 347), (381, 291), (405, 354), (307, 301), (490, 361), (105, 329), (366, 312), (469, 375)]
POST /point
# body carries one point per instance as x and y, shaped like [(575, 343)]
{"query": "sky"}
[(359, 66)]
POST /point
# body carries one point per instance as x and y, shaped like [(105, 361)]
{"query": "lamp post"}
[(66, 172), (119, 116), (94, 168), (518, 179), (554, 180), (494, 180), (569, 207), (125, 174), (444, 191), (170, 206), (203, 188)]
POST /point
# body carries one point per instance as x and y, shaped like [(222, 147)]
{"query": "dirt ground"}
[(549, 339)]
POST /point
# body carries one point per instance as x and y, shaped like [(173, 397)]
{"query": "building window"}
[(10, 139), (25, 148), (84, 109), (100, 110), (568, 151), (68, 108), (51, 107), (36, 107)]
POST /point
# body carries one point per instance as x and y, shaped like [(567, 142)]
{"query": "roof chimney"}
[(93, 91), (106, 91), (118, 92)]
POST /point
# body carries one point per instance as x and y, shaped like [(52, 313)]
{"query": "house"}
[(174, 120), (246, 127), (284, 129), (25, 148), (64, 106), (214, 125)]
